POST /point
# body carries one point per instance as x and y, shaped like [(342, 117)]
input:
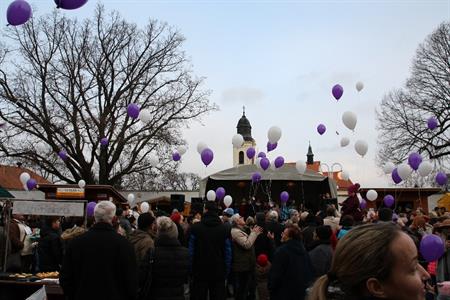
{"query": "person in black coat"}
[(321, 254), (264, 243), (274, 227), (210, 255), (171, 263), (291, 271), (100, 264), (50, 247)]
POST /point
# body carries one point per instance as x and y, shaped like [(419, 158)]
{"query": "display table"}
[(13, 289)]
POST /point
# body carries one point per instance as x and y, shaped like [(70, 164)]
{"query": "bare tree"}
[(65, 85), (402, 120)]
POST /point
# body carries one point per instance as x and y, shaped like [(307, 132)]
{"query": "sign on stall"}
[(49, 208), (69, 193)]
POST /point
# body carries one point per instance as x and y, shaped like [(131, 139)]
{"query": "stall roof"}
[(287, 172), (89, 189)]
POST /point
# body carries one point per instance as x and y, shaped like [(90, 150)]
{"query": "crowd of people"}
[(240, 254)]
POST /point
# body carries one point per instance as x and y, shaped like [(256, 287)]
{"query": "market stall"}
[(16, 285)]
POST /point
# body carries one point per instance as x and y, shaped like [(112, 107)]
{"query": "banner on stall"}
[(49, 208)]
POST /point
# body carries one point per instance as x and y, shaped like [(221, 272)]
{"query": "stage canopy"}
[(309, 188)]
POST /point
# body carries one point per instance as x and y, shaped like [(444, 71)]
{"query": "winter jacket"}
[(100, 264), (291, 272), (321, 257), (210, 248), (243, 250), (351, 207), (262, 275), (70, 234), (50, 250), (14, 237), (276, 228), (142, 241), (170, 269)]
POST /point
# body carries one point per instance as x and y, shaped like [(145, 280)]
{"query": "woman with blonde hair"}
[(374, 261)]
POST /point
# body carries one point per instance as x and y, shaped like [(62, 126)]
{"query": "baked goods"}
[(48, 274)]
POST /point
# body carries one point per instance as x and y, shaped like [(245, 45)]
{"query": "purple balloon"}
[(363, 204), (395, 177), (207, 156), (18, 13), (337, 91), (271, 147), (31, 184), (70, 4), (251, 152), (261, 154), (279, 162), (284, 196), (388, 200), (256, 177), (431, 247), (104, 141), (432, 123), (264, 163), (414, 160), (220, 193), (133, 110), (90, 209), (62, 154), (176, 156), (321, 129), (441, 178)]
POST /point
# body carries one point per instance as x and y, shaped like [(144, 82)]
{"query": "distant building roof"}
[(10, 177)]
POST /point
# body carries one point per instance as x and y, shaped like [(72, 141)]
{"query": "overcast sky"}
[(280, 59)]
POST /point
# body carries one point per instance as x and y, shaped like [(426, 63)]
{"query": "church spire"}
[(243, 127), (310, 155)]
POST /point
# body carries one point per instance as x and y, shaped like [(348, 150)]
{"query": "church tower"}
[(240, 154), (310, 156)]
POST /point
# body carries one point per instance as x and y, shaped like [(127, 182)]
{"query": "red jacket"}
[(351, 207)]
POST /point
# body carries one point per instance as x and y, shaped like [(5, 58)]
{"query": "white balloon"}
[(145, 207), (182, 149), (361, 147), (258, 162), (404, 170), (153, 160), (24, 177), (81, 184), (274, 134), (200, 147), (425, 168), (345, 175), (145, 115), (388, 167), (349, 119), (227, 200), (345, 141), (359, 86), (211, 195), (237, 140), (372, 195), (130, 198), (300, 165)]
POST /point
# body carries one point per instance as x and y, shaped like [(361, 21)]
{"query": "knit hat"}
[(262, 260), (228, 212), (353, 188), (176, 217)]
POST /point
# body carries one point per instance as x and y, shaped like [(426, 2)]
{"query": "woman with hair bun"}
[(374, 261)]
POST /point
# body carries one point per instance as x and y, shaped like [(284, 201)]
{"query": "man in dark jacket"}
[(100, 264), (291, 271), (50, 249), (322, 253), (210, 254), (142, 238)]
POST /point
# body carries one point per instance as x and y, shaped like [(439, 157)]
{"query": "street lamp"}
[(330, 170)]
